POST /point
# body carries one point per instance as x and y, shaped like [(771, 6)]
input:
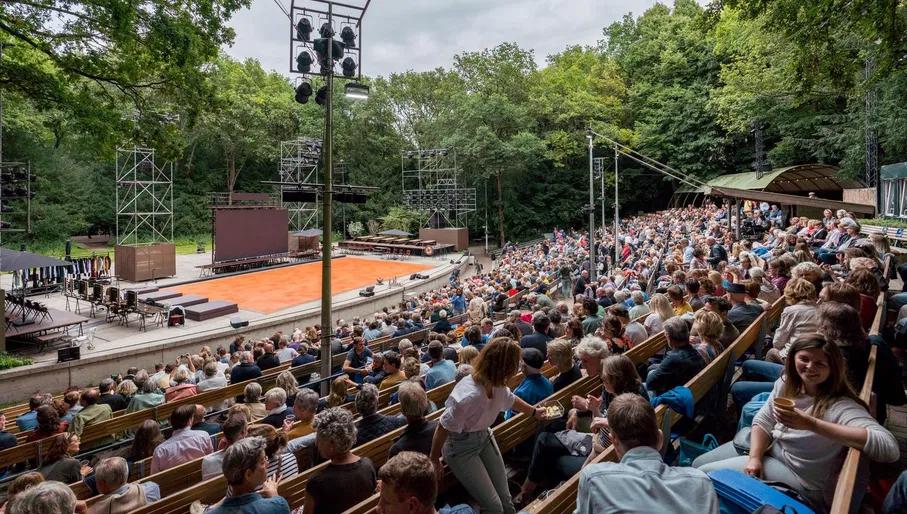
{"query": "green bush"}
[(8, 361), (885, 222)]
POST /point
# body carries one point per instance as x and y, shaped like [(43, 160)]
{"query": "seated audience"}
[(268, 359), (347, 479), (59, 463), (251, 490), (680, 364), (393, 375), (184, 445), (539, 337), (372, 424), (276, 406), (109, 396), (19, 485), (419, 431), (92, 413), (234, 429), (50, 497), (799, 318), (560, 355), (641, 481), (199, 423), (742, 313), (48, 424), (120, 495), (442, 370), (183, 388), (148, 397), (803, 446), (146, 440), (534, 387), (279, 462), (409, 484), (246, 370), (252, 400)]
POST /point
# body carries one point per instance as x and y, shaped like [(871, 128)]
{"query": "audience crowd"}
[(682, 273)]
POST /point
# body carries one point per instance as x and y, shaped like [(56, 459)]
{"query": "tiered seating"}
[(122, 422), (563, 499)]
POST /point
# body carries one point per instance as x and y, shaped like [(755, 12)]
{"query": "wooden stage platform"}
[(58, 320)]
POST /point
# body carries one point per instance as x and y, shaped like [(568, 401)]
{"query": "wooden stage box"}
[(137, 263), (459, 237)]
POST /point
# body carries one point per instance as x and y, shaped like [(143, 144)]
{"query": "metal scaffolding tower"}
[(144, 197), (299, 164), (431, 185)]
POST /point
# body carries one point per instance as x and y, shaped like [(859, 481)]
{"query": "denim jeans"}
[(896, 501), (827, 256), (758, 377), (475, 459)]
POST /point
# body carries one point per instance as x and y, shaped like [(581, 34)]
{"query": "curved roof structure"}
[(799, 179)]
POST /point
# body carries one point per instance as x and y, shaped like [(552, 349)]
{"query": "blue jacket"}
[(533, 389), (677, 368)]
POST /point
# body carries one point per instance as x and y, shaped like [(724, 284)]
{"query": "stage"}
[(273, 290)]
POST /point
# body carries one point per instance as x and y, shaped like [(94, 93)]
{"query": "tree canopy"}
[(684, 84)]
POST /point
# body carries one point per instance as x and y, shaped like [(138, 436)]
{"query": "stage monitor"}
[(249, 232)]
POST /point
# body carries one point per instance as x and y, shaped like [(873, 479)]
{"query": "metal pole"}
[(616, 213), (486, 217), (601, 169), (592, 260), (326, 198)]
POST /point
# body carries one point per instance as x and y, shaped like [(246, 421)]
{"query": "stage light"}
[(321, 48), (304, 29), (321, 96), (303, 92), (348, 36), (356, 91), (304, 62), (349, 67), (326, 31)]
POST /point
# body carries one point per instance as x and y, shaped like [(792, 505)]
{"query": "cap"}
[(533, 358), (736, 288)]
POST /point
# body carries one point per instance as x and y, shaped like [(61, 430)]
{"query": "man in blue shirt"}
[(535, 387), (641, 481), (458, 302), (357, 360), (442, 370), (29, 420), (246, 468)]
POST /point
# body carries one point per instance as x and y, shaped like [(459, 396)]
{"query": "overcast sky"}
[(400, 35)]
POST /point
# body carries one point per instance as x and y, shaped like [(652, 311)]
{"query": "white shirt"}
[(286, 354), (184, 445), (468, 408)]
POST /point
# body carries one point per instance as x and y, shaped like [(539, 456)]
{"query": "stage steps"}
[(210, 310), (187, 301), (159, 296), (143, 290)]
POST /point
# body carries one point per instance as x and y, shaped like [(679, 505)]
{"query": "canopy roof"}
[(11, 260), (784, 199), (799, 179), (894, 171), (395, 232)]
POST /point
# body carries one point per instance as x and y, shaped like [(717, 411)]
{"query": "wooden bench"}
[(563, 499)]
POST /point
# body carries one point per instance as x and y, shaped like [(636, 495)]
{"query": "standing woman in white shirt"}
[(463, 435)]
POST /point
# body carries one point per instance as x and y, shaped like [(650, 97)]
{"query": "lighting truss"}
[(341, 16), (430, 180), (299, 163), (144, 197)]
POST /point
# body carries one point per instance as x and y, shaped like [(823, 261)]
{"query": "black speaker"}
[(239, 322), (299, 196), (69, 354), (367, 292)]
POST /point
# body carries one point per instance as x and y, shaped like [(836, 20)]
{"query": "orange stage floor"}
[(272, 290)]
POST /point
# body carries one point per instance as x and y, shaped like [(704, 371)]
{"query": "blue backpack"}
[(742, 494), (748, 412)]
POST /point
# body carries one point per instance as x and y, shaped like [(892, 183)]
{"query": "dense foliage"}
[(684, 84)]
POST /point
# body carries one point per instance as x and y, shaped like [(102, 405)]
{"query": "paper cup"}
[(783, 403)]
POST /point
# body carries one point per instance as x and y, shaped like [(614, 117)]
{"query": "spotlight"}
[(321, 48), (303, 92), (444, 153), (304, 29), (355, 90), (326, 31), (321, 96), (304, 62), (349, 67), (348, 37)]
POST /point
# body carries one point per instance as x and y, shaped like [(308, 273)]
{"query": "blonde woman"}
[(798, 319), (464, 435), (560, 355), (660, 311), (287, 381), (709, 327), (468, 354)]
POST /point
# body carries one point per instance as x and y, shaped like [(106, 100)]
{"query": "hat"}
[(533, 358), (736, 288)]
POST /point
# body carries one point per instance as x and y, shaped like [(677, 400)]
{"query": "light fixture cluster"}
[(436, 152), (305, 60)]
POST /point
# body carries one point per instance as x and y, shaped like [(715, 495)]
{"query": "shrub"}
[(8, 361)]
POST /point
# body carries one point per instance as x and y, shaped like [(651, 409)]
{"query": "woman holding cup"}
[(801, 435)]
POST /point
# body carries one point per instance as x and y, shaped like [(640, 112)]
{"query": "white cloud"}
[(424, 34)]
